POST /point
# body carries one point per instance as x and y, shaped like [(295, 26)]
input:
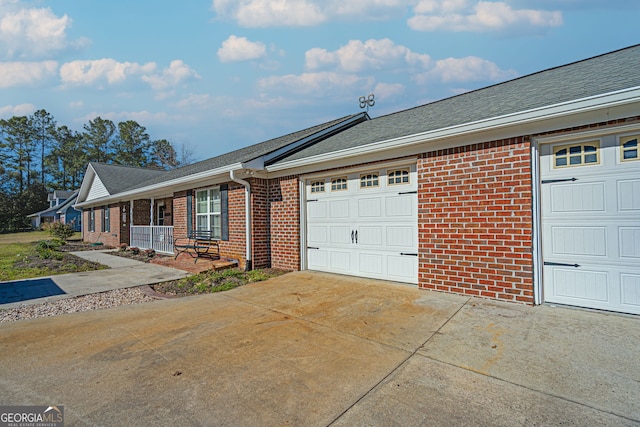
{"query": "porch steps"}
[(185, 262)]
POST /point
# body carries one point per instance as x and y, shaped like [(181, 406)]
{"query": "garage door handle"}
[(561, 264), (312, 247), (407, 192), (551, 181), (351, 236), (356, 236), (408, 254)]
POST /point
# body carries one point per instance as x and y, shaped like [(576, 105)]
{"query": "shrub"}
[(59, 230)]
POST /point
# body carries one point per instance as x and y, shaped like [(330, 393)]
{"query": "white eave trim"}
[(143, 191), (578, 106)]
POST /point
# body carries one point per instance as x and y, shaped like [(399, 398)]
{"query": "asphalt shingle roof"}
[(123, 178), (594, 76)]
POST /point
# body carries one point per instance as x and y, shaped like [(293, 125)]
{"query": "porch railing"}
[(156, 237)]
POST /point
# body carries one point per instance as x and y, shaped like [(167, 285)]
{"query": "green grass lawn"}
[(16, 247)]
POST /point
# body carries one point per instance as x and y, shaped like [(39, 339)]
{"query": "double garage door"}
[(364, 223), (590, 199)]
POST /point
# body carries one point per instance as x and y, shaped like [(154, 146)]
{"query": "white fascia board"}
[(162, 187), (580, 106), (85, 186)]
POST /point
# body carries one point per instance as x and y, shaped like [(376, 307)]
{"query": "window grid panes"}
[(317, 187), (338, 184), (630, 148), (369, 180), (400, 176), (208, 215), (576, 155)]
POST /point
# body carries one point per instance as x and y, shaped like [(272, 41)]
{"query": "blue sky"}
[(223, 74)]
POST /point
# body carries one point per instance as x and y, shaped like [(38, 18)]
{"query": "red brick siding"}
[(284, 218), (475, 220), (141, 212), (108, 238), (260, 223)]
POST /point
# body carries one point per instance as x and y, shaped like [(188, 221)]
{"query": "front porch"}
[(156, 237)]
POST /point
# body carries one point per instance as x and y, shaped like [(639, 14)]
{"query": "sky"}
[(213, 76)]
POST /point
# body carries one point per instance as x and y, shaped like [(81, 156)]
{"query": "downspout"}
[(247, 207)]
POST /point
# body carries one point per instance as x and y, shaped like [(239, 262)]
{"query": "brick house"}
[(524, 191)]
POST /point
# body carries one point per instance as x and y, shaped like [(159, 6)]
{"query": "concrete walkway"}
[(315, 349), (123, 273)]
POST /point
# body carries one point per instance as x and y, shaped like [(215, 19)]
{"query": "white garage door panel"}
[(630, 289), (591, 231), (364, 231)]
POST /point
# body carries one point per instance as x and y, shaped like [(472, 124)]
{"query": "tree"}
[(133, 145), (19, 146), (163, 155), (98, 139), (44, 128), (67, 160)]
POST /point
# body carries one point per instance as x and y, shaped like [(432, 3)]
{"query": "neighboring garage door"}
[(591, 223), (364, 224)]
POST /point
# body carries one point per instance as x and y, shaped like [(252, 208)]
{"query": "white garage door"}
[(364, 224), (591, 223)]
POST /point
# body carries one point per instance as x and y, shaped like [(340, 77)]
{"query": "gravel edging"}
[(114, 298)]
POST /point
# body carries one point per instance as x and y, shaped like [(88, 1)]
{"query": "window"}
[(400, 176), (576, 155), (208, 211), (105, 217), (317, 187), (92, 220), (369, 180), (338, 184), (629, 148)]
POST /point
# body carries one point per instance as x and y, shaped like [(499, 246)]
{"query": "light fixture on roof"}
[(367, 101)]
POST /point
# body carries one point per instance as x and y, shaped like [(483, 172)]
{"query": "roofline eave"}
[(519, 119)]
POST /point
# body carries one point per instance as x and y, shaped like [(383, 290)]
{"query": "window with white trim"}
[(338, 184), (585, 153), (397, 177), (106, 219), (208, 211), (629, 149), (317, 187), (369, 180)]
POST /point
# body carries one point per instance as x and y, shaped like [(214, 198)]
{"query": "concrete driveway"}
[(313, 349)]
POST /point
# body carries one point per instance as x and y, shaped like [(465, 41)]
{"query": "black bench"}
[(198, 244)]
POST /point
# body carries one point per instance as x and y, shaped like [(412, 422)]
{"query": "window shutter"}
[(224, 211), (189, 211)]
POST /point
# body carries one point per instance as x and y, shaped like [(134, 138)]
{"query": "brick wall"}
[(284, 218), (260, 223), (475, 220), (108, 238)]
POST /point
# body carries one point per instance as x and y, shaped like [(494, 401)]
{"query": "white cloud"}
[(143, 117), (314, 84), (358, 56), (465, 15), (269, 13), (178, 72), (236, 49), (466, 69), (17, 110), (385, 90), (25, 73), (32, 32), (298, 13), (98, 71), (194, 101)]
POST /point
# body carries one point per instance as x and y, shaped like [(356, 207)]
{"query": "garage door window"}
[(629, 147), (576, 154), (369, 180), (338, 184), (400, 176), (317, 187)]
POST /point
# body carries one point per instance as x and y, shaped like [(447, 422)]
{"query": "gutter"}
[(247, 206)]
